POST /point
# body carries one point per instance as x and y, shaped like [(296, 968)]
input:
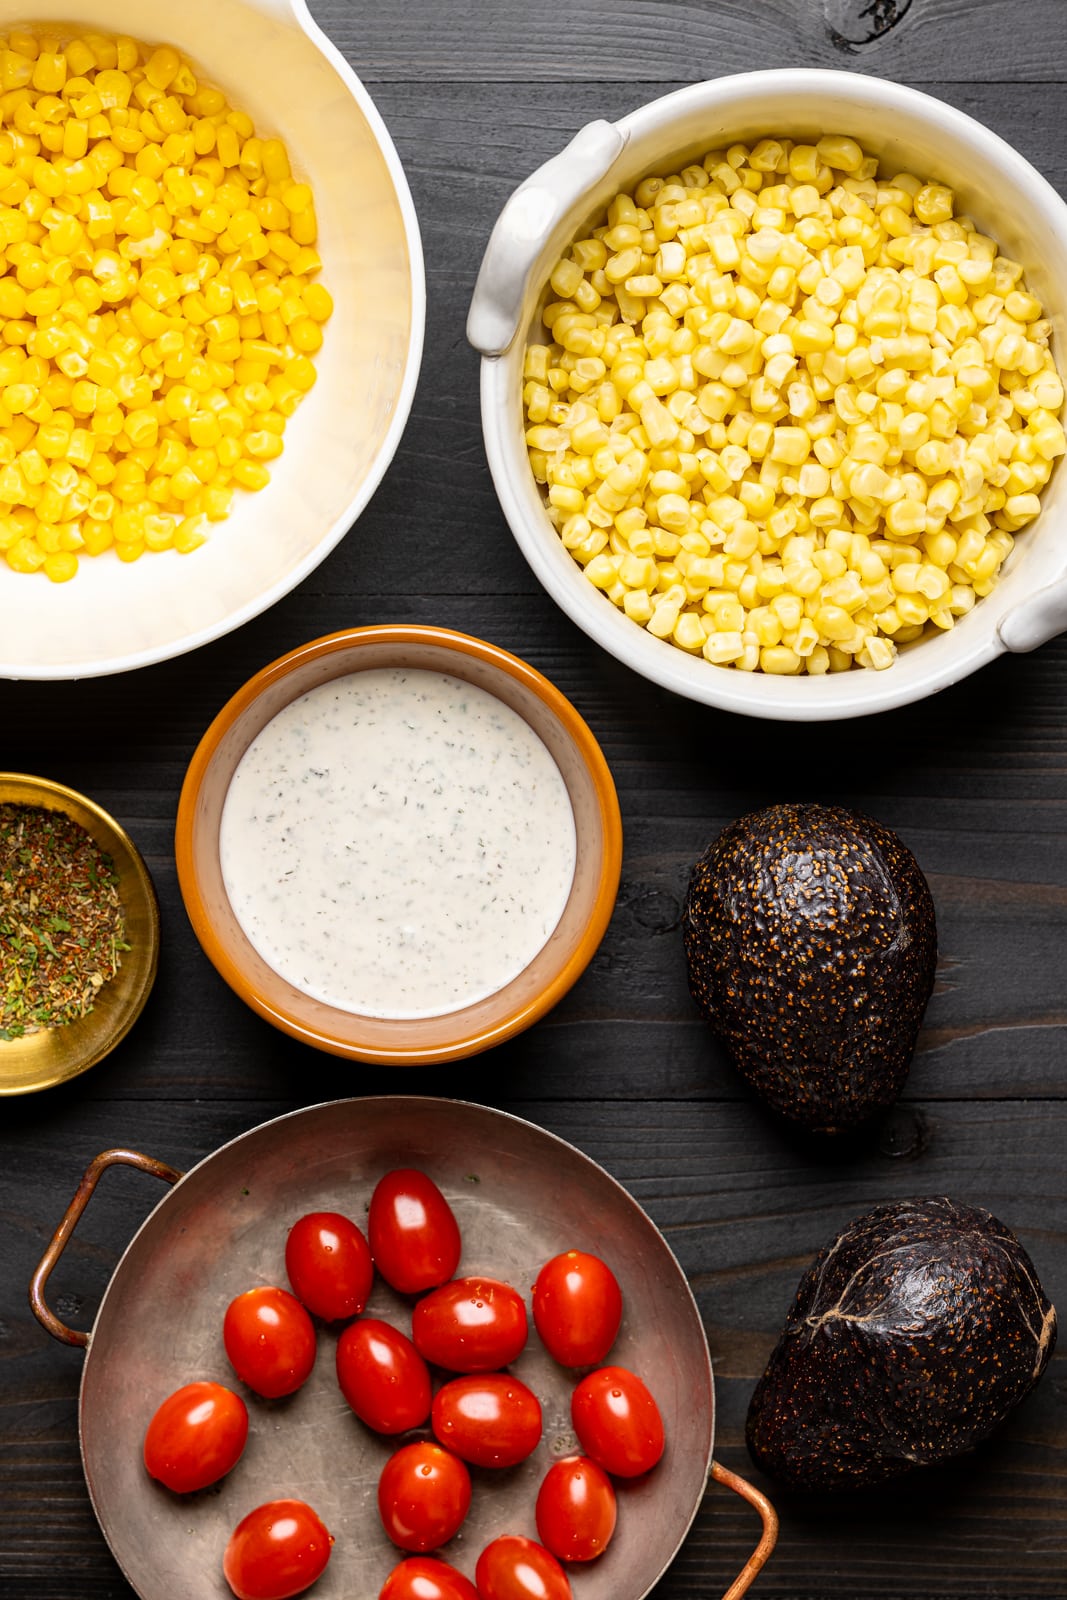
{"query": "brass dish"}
[(53, 1055)]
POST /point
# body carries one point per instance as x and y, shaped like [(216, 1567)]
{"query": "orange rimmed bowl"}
[(402, 1041)]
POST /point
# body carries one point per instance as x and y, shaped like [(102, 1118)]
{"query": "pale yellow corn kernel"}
[(657, 422), (905, 518), (535, 361), (878, 653), (933, 582), (934, 203), (661, 376), (813, 481), (673, 512), (843, 154), (780, 660), (663, 620), (790, 445), (1050, 441), (912, 610), (688, 632), (570, 501), (869, 482), (601, 571), (905, 578), (789, 610), (637, 572), (565, 278), (1022, 507), (637, 603), (809, 336), (723, 647)]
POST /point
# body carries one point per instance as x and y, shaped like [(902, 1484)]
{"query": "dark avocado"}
[(811, 942), (912, 1336)]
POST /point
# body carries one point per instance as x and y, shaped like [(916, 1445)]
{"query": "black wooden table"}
[(476, 93)]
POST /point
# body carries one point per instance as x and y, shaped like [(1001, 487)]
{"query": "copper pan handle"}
[(93, 1173), (768, 1516)]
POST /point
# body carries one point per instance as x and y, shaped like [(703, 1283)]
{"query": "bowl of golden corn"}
[(770, 391), (211, 306)]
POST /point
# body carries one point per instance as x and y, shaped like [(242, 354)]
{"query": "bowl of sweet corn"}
[(212, 309), (770, 395)]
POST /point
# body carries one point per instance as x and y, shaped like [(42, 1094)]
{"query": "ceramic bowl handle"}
[(523, 227), (768, 1516), (1036, 620), (93, 1173)]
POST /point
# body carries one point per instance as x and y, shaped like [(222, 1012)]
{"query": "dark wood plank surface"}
[(476, 94)]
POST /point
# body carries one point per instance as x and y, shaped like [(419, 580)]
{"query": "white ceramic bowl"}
[(910, 132), (272, 61)]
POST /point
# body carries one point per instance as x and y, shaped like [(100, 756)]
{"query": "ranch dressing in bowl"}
[(397, 843)]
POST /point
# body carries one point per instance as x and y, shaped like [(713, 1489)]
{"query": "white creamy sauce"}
[(397, 843)]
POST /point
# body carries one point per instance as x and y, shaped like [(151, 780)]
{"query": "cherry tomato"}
[(329, 1265), (383, 1377), (617, 1422), (424, 1493), (576, 1509), (470, 1325), (414, 1238), (278, 1550), (423, 1578), (577, 1308), (270, 1341), (492, 1421), (512, 1568), (196, 1437)]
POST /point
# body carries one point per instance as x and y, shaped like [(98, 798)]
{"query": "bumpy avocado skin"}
[(912, 1336), (811, 943)]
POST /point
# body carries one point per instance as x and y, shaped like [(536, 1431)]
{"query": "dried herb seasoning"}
[(62, 931)]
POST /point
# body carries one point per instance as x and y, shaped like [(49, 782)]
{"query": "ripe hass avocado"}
[(811, 944), (912, 1336)]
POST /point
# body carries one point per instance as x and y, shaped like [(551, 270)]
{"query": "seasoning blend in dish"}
[(397, 843), (62, 929)]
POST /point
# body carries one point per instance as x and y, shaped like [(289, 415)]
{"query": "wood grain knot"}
[(903, 1135), (855, 25), (655, 910)]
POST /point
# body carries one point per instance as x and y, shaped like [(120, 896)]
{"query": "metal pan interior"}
[(520, 1196)]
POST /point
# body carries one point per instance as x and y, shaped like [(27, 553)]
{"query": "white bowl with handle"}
[(271, 60), (909, 131)]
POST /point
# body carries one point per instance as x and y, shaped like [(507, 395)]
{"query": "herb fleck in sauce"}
[(398, 843)]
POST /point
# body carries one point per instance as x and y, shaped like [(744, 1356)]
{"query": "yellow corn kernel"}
[(251, 475), (318, 302), (216, 501), (304, 226), (189, 535), (60, 566), (162, 67), (49, 72)]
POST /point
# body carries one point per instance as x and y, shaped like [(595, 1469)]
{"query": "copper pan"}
[(520, 1195)]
